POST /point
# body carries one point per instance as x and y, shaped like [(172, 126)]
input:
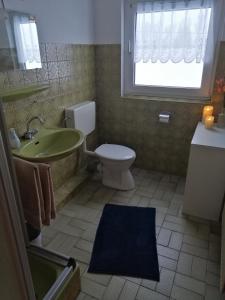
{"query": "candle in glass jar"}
[(209, 120), (207, 112)]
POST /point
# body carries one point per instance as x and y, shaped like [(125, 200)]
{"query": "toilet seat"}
[(115, 152)]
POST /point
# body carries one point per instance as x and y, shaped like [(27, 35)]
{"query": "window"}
[(168, 47)]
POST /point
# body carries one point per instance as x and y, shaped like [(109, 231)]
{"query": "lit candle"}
[(207, 111), (209, 120)]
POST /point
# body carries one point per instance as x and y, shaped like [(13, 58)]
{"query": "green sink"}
[(50, 144)]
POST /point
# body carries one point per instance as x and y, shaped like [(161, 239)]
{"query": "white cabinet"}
[(205, 182)]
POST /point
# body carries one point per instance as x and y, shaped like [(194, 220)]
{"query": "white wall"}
[(107, 21), (63, 21)]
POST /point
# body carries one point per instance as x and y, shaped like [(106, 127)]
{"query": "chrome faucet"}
[(29, 134), (64, 120)]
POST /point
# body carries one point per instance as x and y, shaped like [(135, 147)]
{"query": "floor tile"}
[(164, 237), (176, 240), (188, 248), (190, 284), (150, 284), (167, 263), (198, 270), (197, 251), (213, 293), (170, 253), (166, 282), (92, 288), (114, 288), (146, 294), (129, 291), (179, 293), (184, 265)]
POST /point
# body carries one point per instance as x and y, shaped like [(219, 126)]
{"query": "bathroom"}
[(80, 46)]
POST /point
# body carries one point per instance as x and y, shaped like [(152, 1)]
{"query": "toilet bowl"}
[(115, 159)]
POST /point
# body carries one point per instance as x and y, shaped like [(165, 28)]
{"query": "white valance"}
[(173, 30)]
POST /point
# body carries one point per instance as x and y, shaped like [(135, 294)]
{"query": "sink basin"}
[(50, 144)]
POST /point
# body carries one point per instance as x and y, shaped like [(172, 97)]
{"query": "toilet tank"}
[(81, 116)]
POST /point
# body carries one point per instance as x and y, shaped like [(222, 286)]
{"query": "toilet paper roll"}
[(164, 118)]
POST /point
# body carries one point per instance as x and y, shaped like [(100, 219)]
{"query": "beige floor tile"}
[(114, 288), (84, 225), (92, 288), (67, 245), (213, 267), (176, 240), (84, 245), (198, 270), (184, 265), (159, 218), (80, 255), (164, 237), (196, 251), (173, 226), (133, 279), (190, 284), (146, 294), (195, 241), (212, 279), (179, 293), (167, 263), (150, 284), (90, 233), (213, 293), (99, 278), (59, 239), (129, 291), (166, 282), (166, 251)]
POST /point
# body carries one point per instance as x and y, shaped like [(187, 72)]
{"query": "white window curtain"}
[(26, 39), (171, 30)]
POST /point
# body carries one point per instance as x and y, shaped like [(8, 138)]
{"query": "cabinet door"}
[(222, 264), (205, 183)]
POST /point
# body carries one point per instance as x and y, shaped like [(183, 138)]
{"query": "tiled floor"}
[(188, 250)]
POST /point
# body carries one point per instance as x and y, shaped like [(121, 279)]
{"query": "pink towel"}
[(36, 190), (48, 194)]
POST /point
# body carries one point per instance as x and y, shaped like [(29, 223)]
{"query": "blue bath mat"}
[(125, 243)]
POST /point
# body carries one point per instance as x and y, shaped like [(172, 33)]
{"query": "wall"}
[(66, 33), (134, 122), (70, 72), (60, 21), (107, 21)]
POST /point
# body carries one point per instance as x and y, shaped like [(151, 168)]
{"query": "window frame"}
[(128, 87)]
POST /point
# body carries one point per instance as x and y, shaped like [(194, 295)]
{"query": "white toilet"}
[(115, 159)]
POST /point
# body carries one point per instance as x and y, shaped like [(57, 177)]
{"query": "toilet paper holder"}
[(165, 116)]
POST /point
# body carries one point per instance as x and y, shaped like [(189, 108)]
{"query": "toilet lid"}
[(116, 152)]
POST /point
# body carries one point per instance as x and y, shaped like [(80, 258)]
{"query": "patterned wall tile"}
[(70, 81), (134, 122)]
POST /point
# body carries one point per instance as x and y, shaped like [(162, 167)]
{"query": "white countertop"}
[(214, 137)]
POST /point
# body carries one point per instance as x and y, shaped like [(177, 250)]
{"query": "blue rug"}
[(125, 243)]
